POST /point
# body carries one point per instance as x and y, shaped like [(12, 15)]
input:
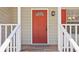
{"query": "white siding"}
[(8, 15)]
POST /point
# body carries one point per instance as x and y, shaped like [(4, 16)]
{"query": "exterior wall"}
[(7, 15), (26, 25), (13, 15)]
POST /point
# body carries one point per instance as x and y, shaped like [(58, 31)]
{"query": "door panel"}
[(39, 26)]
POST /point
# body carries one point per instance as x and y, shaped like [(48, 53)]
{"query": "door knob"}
[(46, 28)]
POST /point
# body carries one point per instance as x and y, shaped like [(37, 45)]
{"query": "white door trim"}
[(47, 25)]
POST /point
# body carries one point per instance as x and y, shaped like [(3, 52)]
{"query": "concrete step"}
[(39, 48)]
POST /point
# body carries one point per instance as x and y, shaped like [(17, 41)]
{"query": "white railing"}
[(69, 38), (11, 37)]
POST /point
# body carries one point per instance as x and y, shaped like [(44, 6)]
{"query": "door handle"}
[(46, 28)]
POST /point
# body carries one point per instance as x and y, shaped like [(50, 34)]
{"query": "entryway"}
[(39, 29)]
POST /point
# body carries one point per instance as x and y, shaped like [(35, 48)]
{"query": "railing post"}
[(61, 40), (65, 40), (18, 40), (76, 33), (11, 39), (7, 49), (71, 47)]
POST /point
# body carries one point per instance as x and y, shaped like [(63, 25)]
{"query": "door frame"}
[(47, 26)]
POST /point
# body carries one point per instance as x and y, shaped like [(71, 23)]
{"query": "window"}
[(39, 14)]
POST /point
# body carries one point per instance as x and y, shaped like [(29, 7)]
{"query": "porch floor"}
[(39, 48)]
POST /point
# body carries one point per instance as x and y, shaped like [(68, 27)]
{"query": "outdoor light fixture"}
[(52, 13)]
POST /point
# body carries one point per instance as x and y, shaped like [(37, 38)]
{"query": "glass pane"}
[(39, 14)]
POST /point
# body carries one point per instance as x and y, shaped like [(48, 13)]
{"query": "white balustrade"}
[(11, 38), (68, 43)]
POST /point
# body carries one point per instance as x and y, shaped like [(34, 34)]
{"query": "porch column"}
[(19, 15), (0, 35), (18, 34), (59, 28)]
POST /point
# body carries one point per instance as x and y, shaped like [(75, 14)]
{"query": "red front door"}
[(39, 26)]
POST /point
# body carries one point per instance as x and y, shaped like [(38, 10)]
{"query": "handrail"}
[(71, 40), (8, 24), (6, 43), (71, 24)]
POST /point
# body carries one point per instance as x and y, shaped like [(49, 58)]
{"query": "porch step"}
[(39, 48)]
